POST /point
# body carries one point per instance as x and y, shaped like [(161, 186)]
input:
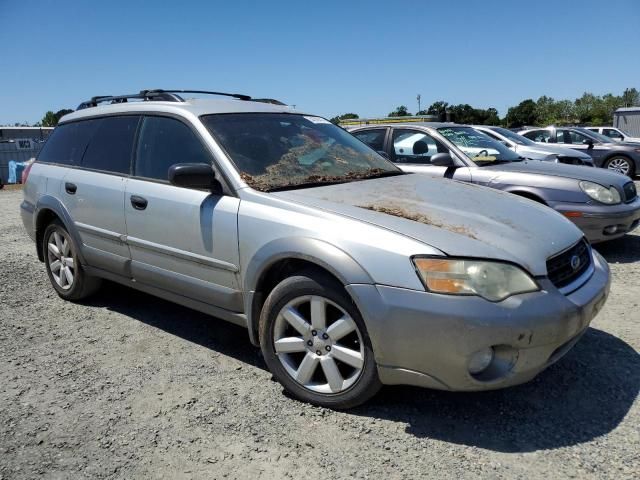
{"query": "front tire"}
[(621, 165), (315, 343), (67, 276)]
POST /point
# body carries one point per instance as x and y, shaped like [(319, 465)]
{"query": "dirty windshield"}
[(481, 148), (276, 151)]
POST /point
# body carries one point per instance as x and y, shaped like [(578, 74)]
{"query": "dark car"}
[(621, 157), (603, 204)]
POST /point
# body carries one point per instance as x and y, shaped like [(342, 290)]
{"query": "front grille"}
[(630, 192), (572, 161), (564, 268)]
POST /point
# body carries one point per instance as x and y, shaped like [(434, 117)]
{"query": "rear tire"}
[(323, 354), (67, 276), (621, 165)]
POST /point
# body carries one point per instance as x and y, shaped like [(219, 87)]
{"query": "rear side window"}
[(67, 143), (164, 142), (111, 144), (373, 138)]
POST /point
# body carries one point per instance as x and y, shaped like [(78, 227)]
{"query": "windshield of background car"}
[(481, 148), (277, 151), (595, 135), (514, 137)]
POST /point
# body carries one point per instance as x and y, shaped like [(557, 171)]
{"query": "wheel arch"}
[(635, 163), (47, 210), (284, 257)]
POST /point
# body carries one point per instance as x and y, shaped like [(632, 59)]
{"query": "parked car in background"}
[(533, 151), (620, 157), (614, 134), (347, 272), (603, 204)]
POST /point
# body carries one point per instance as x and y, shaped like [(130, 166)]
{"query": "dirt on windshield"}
[(337, 164)]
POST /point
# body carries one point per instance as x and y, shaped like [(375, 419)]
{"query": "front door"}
[(412, 149), (578, 141), (181, 240)]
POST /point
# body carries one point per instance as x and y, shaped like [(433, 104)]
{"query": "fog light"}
[(480, 360), (611, 229)]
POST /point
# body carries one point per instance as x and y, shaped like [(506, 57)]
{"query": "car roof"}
[(193, 106)]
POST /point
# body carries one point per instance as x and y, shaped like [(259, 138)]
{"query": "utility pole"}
[(419, 97)]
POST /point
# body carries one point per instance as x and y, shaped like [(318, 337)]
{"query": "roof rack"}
[(156, 94)]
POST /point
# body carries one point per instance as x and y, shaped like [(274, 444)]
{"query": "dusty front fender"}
[(314, 251)]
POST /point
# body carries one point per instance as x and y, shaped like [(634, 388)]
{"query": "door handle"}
[(139, 203), (70, 188)]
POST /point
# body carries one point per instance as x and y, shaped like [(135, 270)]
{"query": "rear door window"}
[(111, 145), (163, 142), (374, 138), (611, 133), (67, 143)]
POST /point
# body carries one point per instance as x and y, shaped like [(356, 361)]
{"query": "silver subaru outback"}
[(346, 271)]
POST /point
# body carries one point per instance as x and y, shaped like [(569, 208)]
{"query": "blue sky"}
[(327, 57)]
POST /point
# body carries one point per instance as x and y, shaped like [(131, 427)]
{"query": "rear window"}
[(67, 143), (111, 144)]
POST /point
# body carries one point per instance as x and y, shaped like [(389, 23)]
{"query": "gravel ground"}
[(130, 386)]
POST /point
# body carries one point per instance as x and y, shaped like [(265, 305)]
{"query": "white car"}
[(614, 133)]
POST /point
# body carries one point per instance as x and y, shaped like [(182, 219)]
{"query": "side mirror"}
[(194, 175), (587, 141), (442, 160), (382, 153)]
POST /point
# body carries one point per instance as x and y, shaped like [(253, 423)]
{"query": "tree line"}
[(589, 109)]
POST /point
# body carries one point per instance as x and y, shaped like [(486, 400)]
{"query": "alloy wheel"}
[(61, 259), (319, 344), (619, 165)]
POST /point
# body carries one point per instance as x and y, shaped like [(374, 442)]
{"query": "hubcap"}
[(60, 258), (619, 165), (319, 344)]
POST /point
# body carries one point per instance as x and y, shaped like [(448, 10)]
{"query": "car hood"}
[(597, 175), (457, 218), (553, 149)]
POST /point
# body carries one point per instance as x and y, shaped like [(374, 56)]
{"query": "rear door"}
[(94, 191), (182, 240)]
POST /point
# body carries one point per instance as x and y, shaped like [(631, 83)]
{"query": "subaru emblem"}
[(575, 262)]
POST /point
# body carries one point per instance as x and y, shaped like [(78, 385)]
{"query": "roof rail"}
[(156, 94)]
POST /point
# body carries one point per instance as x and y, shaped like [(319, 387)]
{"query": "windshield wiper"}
[(294, 186), (316, 180)]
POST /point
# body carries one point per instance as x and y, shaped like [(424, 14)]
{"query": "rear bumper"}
[(598, 221), (425, 339)]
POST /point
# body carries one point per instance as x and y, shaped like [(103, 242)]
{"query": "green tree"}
[(523, 114), (344, 116), (49, 119), (439, 109), (401, 111), (630, 97)]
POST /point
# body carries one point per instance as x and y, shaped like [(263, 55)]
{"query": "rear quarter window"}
[(67, 143)]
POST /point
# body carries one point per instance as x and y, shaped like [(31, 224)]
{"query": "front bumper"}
[(597, 221), (426, 339)]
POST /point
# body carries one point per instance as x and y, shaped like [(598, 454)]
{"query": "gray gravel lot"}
[(130, 386)]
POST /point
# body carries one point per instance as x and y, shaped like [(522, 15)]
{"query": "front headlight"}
[(599, 193), (493, 281)]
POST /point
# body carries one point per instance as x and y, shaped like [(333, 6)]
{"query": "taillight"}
[(25, 172)]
